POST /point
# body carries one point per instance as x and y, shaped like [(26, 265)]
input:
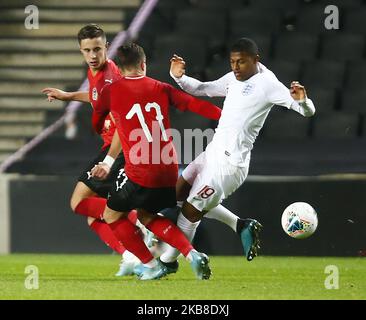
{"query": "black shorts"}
[(102, 187), (127, 195)]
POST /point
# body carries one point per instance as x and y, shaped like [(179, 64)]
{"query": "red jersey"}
[(108, 74), (140, 107)]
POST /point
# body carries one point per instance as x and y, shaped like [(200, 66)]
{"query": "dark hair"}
[(130, 55), (91, 31), (245, 45)]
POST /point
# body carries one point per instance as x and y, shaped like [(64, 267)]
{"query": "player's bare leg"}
[(182, 189)]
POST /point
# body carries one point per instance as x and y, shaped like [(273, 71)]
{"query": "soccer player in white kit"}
[(251, 90)]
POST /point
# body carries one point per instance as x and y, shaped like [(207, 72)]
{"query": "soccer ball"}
[(299, 220)]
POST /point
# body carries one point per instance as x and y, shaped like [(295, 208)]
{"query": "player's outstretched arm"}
[(57, 94), (295, 98), (184, 101), (193, 86)]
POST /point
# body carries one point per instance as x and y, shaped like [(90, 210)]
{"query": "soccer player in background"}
[(250, 92), (140, 107), (84, 200)]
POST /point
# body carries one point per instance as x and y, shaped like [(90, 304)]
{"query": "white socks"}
[(219, 213), (189, 230), (224, 215)]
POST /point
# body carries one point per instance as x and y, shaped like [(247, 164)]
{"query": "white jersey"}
[(246, 107)]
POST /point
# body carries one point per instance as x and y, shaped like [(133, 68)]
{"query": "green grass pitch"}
[(92, 277)]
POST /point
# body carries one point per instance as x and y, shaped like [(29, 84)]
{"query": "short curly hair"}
[(245, 45)]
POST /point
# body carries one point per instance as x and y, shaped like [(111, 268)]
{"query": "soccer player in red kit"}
[(84, 200), (140, 107)]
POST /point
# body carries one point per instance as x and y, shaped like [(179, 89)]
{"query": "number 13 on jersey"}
[(136, 109)]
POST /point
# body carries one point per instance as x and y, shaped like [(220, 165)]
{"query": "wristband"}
[(108, 160)]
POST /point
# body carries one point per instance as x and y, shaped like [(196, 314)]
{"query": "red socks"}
[(123, 229), (168, 232), (107, 236), (94, 207), (91, 207), (130, 236)]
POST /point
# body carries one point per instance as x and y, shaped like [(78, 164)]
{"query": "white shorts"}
[(213, 179)]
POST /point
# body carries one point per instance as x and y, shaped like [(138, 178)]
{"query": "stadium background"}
[(319, 160)]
